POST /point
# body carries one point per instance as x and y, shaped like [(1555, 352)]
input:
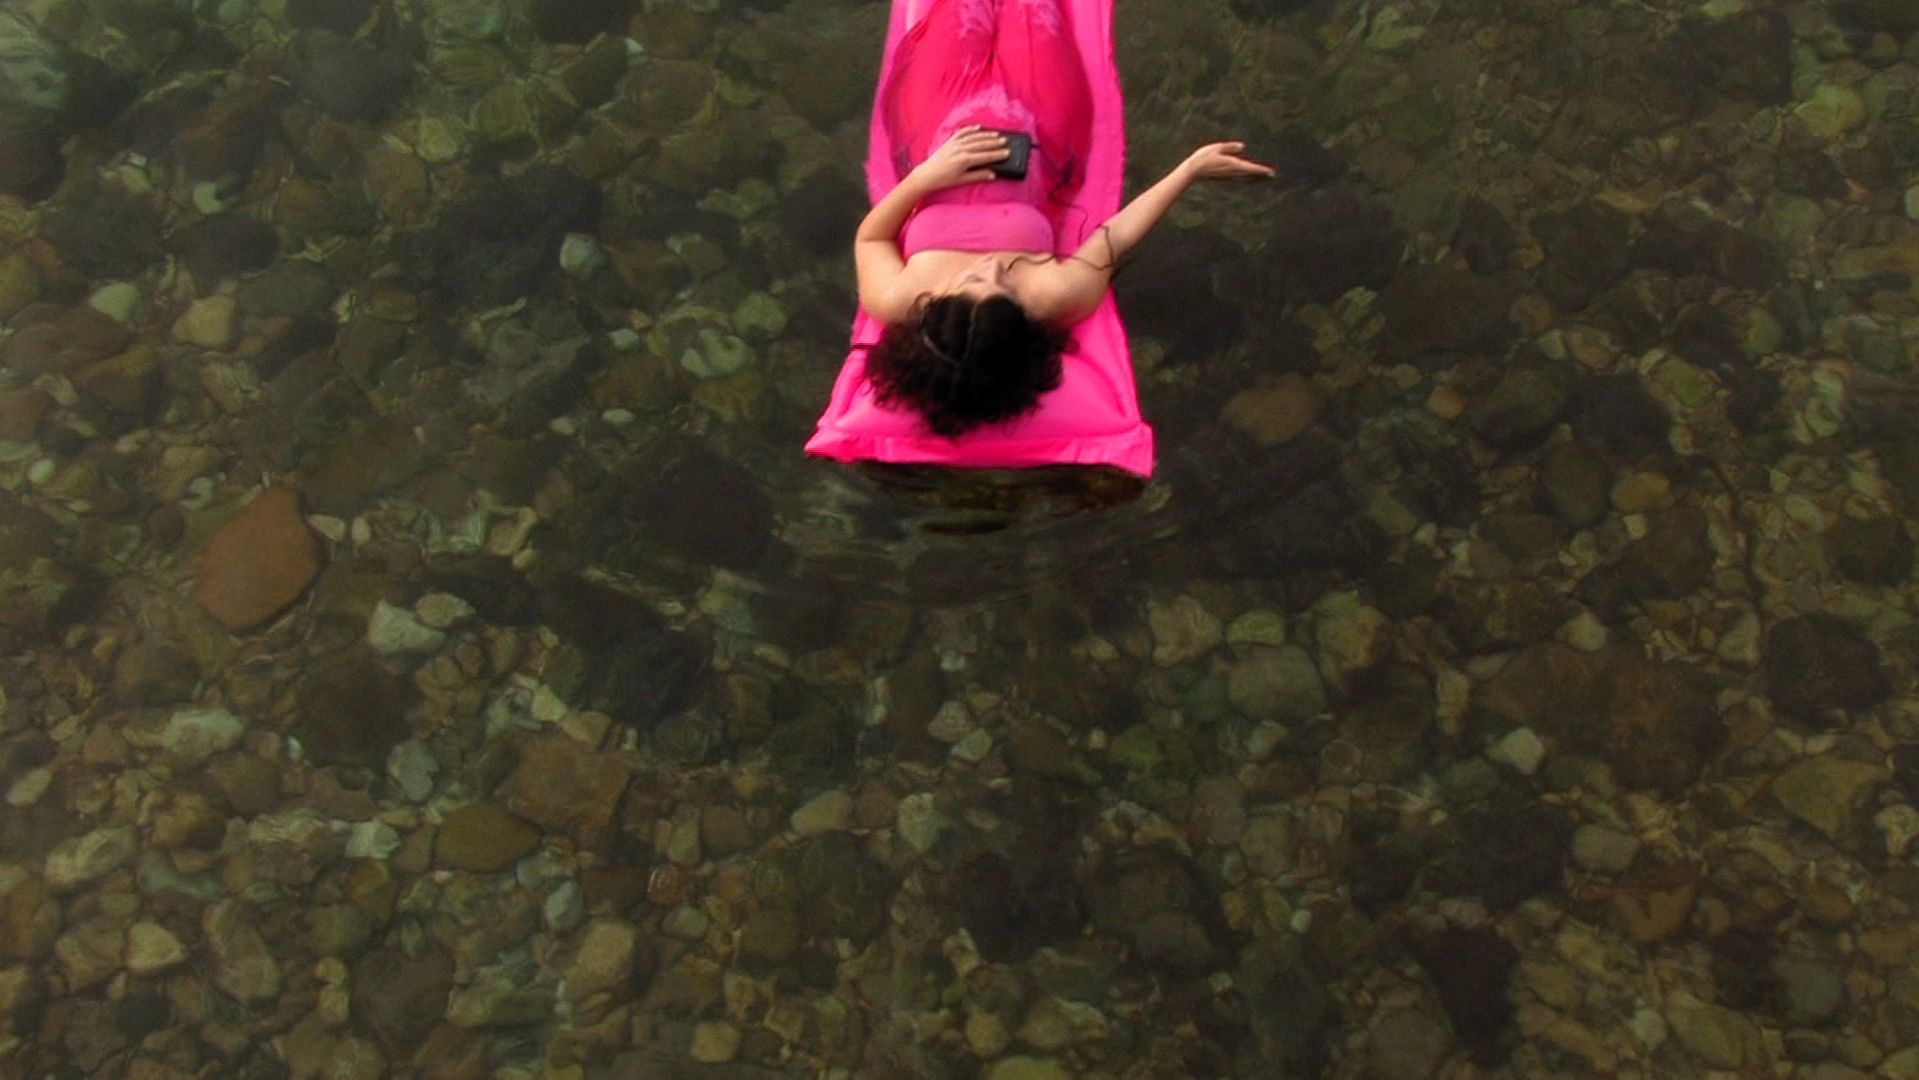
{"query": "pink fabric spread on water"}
[(1042, 66)]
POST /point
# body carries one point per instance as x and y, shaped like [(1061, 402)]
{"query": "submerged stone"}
[(1889, 16), (258, 563), (843, 891), (152, 948), (345, 79), (768, 938), (1832, 110), (342, 17), (31, 164), (243, 965), (1154, 901), (1484, 237), (606, 960), (1618, 413), (352, 710), (105, 231), (1280, 684), (1875, 551), (1172, 293), (1827, 791), (1749, 55), (1470, 969), (1522, 407), (1682, 238), (578, 20), (1330, 240), (1028, 1068), (484, 838), (1442, 310), (1654, 723), (564, 785), (197, 733), (1586, 250), (67, 343), (1273, 411), (1183, 630), (20, 283), (88, 858), (1407, 1044), (154, 672), (1655, 897), (221, 247), (32, 72), (399, 999), (1812, 991), (1503, 851), (1719, 1036), (1599, 847), (1816, 663), (1673, 558)]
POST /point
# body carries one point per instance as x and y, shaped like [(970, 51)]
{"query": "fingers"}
[(976, 135), (1223, 159)]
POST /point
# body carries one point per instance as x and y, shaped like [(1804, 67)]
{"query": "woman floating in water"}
[(987, 335)]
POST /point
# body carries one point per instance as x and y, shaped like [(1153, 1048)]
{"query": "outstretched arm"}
[(1079, 282), (966, 158), (876, 248)]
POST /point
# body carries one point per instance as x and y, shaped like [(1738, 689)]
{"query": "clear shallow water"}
[(428, 654)]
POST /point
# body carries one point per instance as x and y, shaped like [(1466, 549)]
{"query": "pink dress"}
[(1040, 66)]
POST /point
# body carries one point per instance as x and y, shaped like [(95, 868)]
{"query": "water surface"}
[(427, 652)]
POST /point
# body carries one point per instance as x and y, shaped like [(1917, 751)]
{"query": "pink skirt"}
[(1002, 63)]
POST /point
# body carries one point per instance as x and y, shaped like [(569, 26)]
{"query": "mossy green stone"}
[(1832, 111), (19, 283), (1687, 384), (1137, 750), (1028, 1068), (503, 114)]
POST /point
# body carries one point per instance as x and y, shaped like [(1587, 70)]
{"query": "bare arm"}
[(1078, 283), (965, 158), (876, 249)]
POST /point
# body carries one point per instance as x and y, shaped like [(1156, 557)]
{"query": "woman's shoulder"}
[(1062, 291)]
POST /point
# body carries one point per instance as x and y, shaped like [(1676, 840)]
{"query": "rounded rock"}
[(829, 811), (208, 323), (1832, 110), (1028, 1068), (1597, 847), (91, 857), (118, 300), (152, 948), (199, 733), (715, 1042)]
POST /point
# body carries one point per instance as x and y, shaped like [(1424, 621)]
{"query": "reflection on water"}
[(427, 653)]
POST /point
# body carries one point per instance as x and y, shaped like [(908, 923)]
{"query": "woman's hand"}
[(1221, 161), (965, 158)]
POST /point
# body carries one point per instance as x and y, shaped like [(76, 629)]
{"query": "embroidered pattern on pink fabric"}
[(988, 104), (1045, 14)]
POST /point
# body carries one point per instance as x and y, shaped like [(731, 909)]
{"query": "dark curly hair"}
[(963, 363)]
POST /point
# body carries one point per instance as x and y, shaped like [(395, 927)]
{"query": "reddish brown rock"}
[(258, 563), (1655, 898), (21, 412), (484, 838), (1275, 411), (75, 337), (567, 786)]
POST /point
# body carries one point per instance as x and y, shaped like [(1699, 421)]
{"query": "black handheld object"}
[(1019, 147)]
